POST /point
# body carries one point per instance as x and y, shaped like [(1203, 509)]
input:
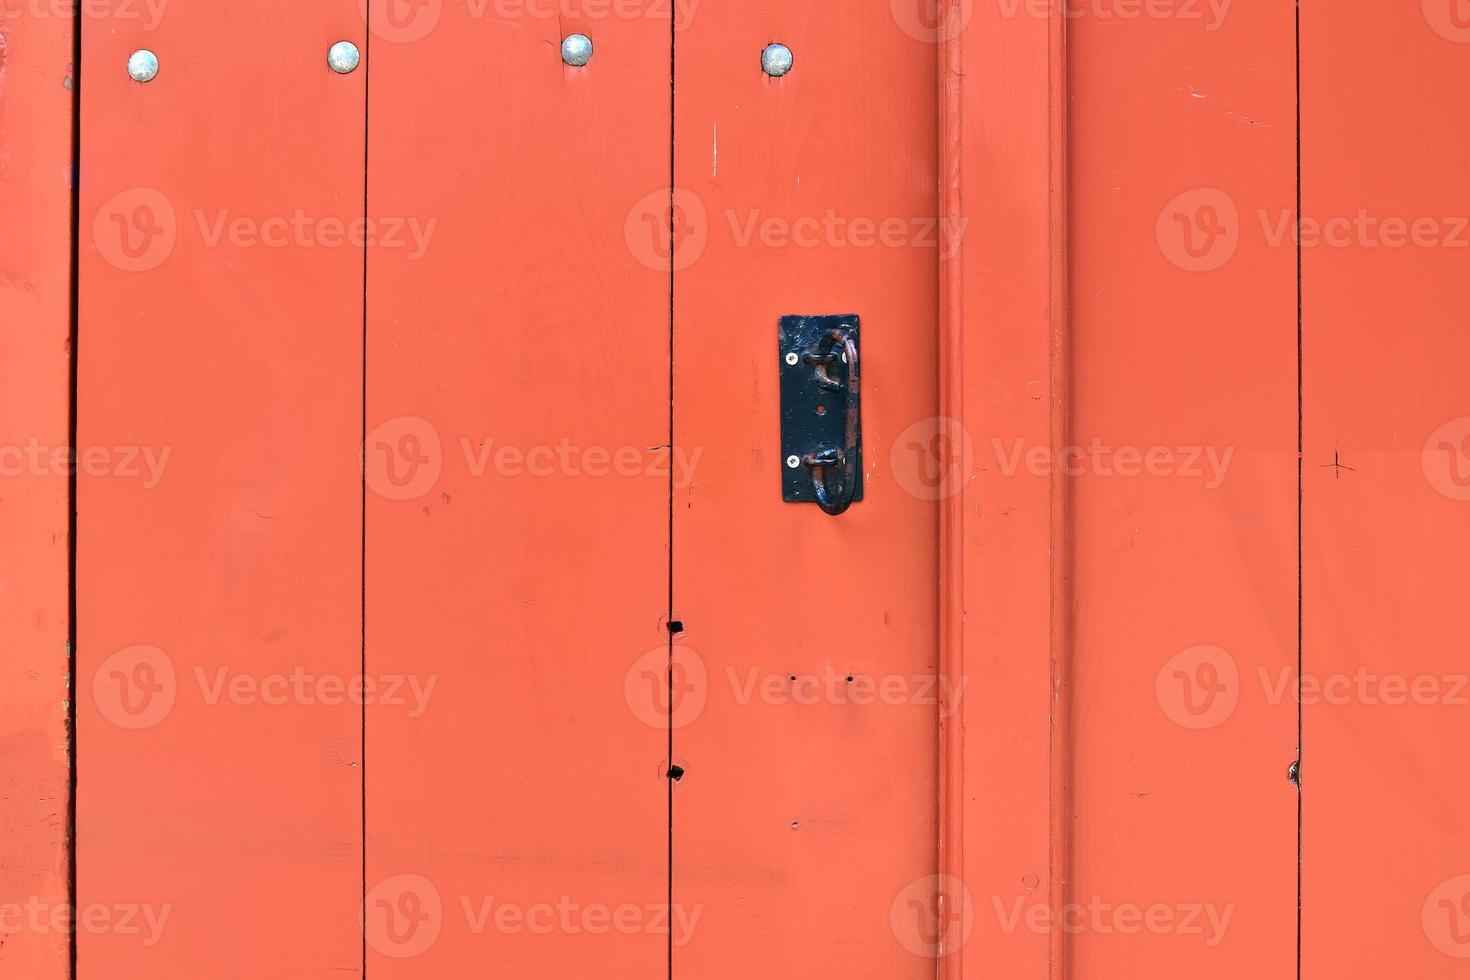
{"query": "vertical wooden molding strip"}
[(1061, 438), (952, 508), (1003, 386), (36, 85)]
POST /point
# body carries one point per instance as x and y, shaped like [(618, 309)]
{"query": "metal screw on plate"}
[(142, 65), (791, 358), (576, 50), (343, 57), (776, 60), (792, 462)]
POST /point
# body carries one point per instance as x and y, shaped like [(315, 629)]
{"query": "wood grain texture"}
[(517, 542), (1183, 494), (36, 84), (805, 825), (219, 539), (1385, 208)]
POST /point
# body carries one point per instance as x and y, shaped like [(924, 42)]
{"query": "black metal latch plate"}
[(813, 419)]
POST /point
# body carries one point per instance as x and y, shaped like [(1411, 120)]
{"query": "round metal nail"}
[(142, 65), (791, 358), (343, 57), (776, 60), (792, 462), (576, 50)]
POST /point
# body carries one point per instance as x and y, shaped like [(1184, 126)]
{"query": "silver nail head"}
[(142, 65), (343, 57), (576, 50), (776, 60), (792, 462), (791, 358)]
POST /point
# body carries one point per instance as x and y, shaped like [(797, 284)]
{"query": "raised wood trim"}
[(1003, 542)]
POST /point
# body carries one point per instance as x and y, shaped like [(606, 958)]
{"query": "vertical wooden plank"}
[(36, 93), (1183, 495), (1013, 543), (1385, 210), (219, 527), (804, 824), (517, 508)]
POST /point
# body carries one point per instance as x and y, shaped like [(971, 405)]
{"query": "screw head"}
[(776, 60), (142, 65), (343, 57), (576, 50), (792, 462), (791, 358)]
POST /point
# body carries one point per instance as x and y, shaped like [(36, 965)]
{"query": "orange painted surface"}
[(517, 502), (805, 824), (414, 408), (1182, 610), (35, 273), (1385, 246), (1012, 386), (219, 531)]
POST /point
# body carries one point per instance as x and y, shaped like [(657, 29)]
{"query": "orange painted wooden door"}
[(438, 608), (805, 822), (1180, 818), (517, 507), (1385, 245), (218, 594), (1266, 222)]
